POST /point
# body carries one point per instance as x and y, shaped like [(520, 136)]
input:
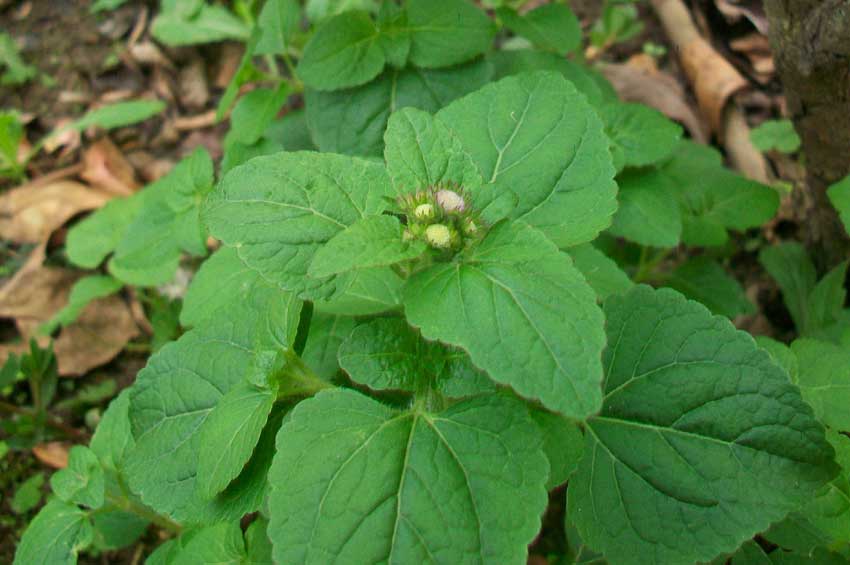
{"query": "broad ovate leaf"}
[(706, 281), (175, 394), (447, 32), (422, 152), (523, 312), (640, 135), (463, 485), (824, 380), (344, 52), (82, 481), (230, 434), (702, 441), (224, 280), (373, 241), (55, 536), (551, 26), (353, 121), (648, 214), (535, 136), (280, 209), (601, 272)]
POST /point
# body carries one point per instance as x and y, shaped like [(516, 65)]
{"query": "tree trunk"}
[(811, 44)]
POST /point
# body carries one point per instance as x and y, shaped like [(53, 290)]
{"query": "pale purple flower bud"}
[(450, 201)]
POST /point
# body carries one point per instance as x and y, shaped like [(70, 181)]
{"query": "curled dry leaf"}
[(36, 293), (31, 212), (105, 167), (635, 81), (713, 78), (52, 453), (753, 10), (756, 48)]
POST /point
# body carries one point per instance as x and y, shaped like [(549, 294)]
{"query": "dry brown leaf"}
[(148, 54), (30, 213), (756, 48), (67, 139), (712, 77), (734, 10), (96, 337), (36, 293), (52, 453), (637, 83), (192, 85), (187, 123), (227, 64), (105, 167)]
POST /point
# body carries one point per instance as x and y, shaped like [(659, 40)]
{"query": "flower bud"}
[(450, 201), (424, 212), (470, 227), (439, 236)]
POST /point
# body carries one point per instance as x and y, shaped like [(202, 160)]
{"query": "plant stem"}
[(297, 379)]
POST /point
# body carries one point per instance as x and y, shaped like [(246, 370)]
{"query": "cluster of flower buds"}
[(440, 216)]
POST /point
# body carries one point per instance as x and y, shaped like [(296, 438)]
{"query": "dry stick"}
[(714, 81)]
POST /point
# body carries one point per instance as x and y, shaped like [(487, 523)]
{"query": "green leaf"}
[(327, 332), (714, 199), (781, 355), (82, 481), (116, 529), (826, 301), (318, 10), (55, 536), (447, 32), (173, 396), (422, 152), (386, 354), (373, 241), (353, 121), (648, 214), (792, 269), (593, 85), (257, 543), (370, 291), (167, 223), (824, 380), (278, 22), (550, 26), (90, 241), (775, 134), (27, 494), (536, 136), (684, 477), (211, 23), (395, 36), (462, 485), (83, 292), (118, 115), (279, 210), (839, 195), (524, 314), (17, 71), (113, 439), (225, 281), (221, 544), (254, 112), (229, 435), (601, 272), (344, 52), (640, 134), (563, 444), (11, 133), (705, 281)]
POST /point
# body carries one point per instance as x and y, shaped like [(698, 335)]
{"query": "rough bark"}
[(811, 44)]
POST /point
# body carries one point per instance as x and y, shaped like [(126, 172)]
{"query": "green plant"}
[(408, 337), (776, 134)]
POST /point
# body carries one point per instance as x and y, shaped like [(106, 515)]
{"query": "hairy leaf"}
[(701, 443), (523, 312), (534, 135), (462, 485)]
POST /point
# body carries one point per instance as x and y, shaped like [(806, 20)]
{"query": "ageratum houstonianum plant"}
[(477, 369)]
